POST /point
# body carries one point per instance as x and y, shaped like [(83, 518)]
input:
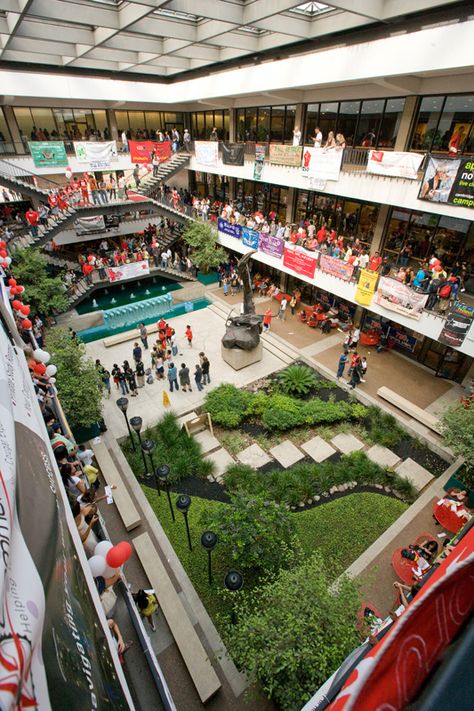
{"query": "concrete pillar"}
[(299, 116), (112, 121), (379, 229), (13, 128), (232, 125), (290, 205), (406, 123)]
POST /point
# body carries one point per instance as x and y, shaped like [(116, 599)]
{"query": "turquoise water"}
[(94, 334), (129, 293)]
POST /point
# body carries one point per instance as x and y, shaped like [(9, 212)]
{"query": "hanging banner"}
[(89, 225), (449, 180), (366, 287), (299, 260), (395, 296), (228, 228), (140, 151), (336, 267), (206, 152), (401, 339), (47, 154), (259, 161), (98, 154), (250, 237), (128, 271), (285, 155), (395, 164), (270, 245), (233, 153), (456, 327), (321, 163)]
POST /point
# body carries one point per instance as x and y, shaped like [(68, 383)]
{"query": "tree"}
[(294, 631), (206, 253), (78, 381), (457, 426), (44, 293)]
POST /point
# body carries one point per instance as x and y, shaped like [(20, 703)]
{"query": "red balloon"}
[(19, 289), (39, 368), (17, 304), (90, 258), (3, 253), (26, 323), (12, 282), (119, 554), (3, 244), (437, 268), (25, 309)]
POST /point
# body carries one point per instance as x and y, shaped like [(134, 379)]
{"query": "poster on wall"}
[(206, 152), (47, 154), (395, 296), (366, 287), (98, 154), (233, 153), (128, 271), (457, 325), (395, 164), (140, 151), (89, 225), (449, 180), (259, 161), (336, 267), (285, 155), (270, 245), (321, 163), (250, 237), (228, 228), (300, 260)]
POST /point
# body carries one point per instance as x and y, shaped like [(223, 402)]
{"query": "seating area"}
[(409, 408), (123, 501)]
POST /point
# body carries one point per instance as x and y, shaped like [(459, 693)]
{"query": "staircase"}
[(150, 185)]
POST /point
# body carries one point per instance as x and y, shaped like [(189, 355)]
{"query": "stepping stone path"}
[(382, 456), (221, 459), (347, 443), (286, 453), (254, 456), (318, 449), (207, 441), (418, 475)]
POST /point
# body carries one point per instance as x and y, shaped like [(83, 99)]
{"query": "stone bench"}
[(417, 413), (194, 655), (125, 506)]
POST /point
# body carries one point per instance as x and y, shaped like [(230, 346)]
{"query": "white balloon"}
[(68, 172), (97, 565), (110, 572), (8, 261), (52, 381), (51, 370), (41, 356), (102, 548)]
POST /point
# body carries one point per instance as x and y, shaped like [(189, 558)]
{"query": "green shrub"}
[(227, 405), (241, 477), (257, 405), (282, 412), (383, 428), (316, 411), (297, 380), (359, 411)]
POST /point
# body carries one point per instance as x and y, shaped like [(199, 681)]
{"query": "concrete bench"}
[(417, 413), (194, 655), (125, 506), (197, 423), (133, 335)]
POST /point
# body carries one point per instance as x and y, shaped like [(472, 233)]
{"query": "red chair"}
[(403, 567), (362, 617), (447, 518)]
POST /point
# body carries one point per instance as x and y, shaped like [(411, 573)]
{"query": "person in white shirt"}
[(296, 136), (318, 137), (124, 142), (282, 311), (363, 260), (84, 455)]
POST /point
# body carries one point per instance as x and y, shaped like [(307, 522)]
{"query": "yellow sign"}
[(366, 287), (166, 400)]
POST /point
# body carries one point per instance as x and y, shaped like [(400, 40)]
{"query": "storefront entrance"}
[(445, 361)]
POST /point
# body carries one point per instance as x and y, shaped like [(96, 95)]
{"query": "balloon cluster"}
[(107, 558)]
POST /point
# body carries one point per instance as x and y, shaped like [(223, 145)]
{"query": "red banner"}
[(336, 267), (140, 151), (299, 260)]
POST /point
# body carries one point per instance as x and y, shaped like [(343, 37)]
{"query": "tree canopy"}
[(206, 253), (44, 293), (457, 424)]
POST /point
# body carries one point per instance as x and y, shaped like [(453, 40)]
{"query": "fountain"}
[(113, 300), (95, 305), (132, 296), (147, 292), (132, 314)]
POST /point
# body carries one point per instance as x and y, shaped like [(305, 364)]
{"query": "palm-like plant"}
[(297, 380)]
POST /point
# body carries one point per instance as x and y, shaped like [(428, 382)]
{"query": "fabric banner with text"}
[(228, 228), (250, 237), (285, 155), (140, 151), (98, 154), (336, 267), (47, 154), (259, 161), (395, 296), (300, 260), (233, 153), (89, 225), (321, 163), (270, 245), (449, 180), (458, 322), (394, 164), (366, 287), (207, 152), (134, 270)]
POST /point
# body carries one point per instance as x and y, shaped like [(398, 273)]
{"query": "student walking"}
[(184, 379), (282, 311), (144, 335), (140, 370), (147, 605), (293, 303), (198, 377), (137, 352), (173, 377), (341, 365), (267, 320), (189, 336), (205, 366)]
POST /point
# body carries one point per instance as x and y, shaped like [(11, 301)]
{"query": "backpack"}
[(445, 291)]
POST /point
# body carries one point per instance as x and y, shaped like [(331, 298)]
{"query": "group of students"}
[(357, 370)]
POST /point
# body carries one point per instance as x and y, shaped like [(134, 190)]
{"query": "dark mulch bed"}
[(421, 454), (253, 429), (194, 486)]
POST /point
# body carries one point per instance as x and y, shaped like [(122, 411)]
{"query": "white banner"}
[(394, 164), (395, 296), (321, 163), (99, 154), (128, 271), (206, 152), (89, 225)]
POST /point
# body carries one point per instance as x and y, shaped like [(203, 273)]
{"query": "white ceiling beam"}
[(171, 45), (237, 40), (171, 60), (24, 44), (261, 9), (158, 27), (74, 12), (395, 8), (198, 51), (373, 9), (9, 5), (410, 85), (51, 32), (130, 41), (287, 25), (211, 28), (218, 104), (227, 12), (113, 55), (273, 40)]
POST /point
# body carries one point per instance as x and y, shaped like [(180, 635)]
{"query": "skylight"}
[(177, 15), (311, 9), (251, 29)]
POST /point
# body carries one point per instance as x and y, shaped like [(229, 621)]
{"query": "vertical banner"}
[(233, 153), (366, 287), (250, 237), (259, 160), (458, 322), (47, 154), (272, 246)]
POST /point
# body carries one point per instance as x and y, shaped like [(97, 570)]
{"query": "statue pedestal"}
[(238, 358)]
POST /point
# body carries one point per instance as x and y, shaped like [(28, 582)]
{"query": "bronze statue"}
[(244, 331)]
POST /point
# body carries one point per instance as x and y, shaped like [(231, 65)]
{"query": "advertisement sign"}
[(401, 339), (395, 296), (458, 322), (89, 225), (227, 228), (233, 153), (449, 180), (300, 260), (285, 155), (259, 160), (366, 287), (98, 154), (270, 245), (47, 154), (140, 151), (336, 267), (394, 164), (128, 271), (250, 237), (206, 152), (321, 163)]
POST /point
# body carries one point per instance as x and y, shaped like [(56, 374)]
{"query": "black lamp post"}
[(136, 423), (183, 503), (233, 582), (147, 448), (209, 541), (122, 404), (163, 473)]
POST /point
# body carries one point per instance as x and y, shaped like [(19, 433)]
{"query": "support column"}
[(299, 116), (406, 123), (290, 205), (232, 125), (13, 128), (379, 229), (112, 121)]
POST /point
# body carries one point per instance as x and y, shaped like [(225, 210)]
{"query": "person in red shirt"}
[(321, 235), (294, 237), (189, 336), (84, 192), (62, 202), (267, 319), (53, 204), (161, 324), (32, 218), (374, 262)]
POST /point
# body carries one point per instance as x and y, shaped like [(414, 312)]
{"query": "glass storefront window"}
[(426, 128), (369, 122), (240, 124), (455, 122), (277, 126), (312, 118), (5, 137), (263, 124), (251, 124), (290, 117), (100, 120), (390, 123), (347, 121), (328, 119)]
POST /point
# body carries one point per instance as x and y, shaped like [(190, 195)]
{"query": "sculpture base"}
[(238, 359)]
